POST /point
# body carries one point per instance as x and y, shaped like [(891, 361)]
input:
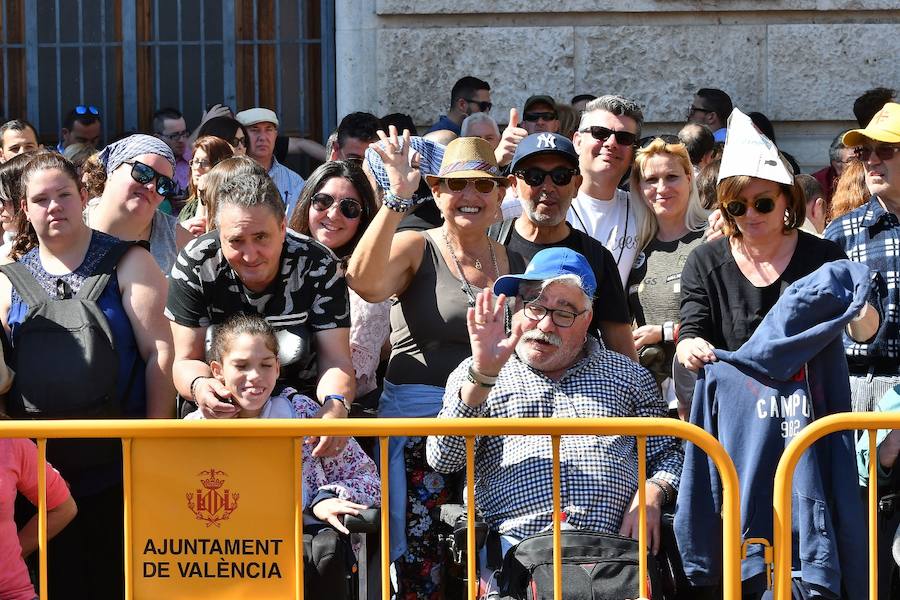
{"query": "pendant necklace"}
[(467, 287)]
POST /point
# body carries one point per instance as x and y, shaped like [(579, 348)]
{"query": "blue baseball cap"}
[(544, 143), (547, 264)]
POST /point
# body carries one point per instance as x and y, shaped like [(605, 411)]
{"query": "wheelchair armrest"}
[(455, 517), (368, 521)]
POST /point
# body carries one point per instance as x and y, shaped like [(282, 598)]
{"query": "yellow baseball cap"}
[(884, 127)]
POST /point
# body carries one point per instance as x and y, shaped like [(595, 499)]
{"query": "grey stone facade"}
[(801, 62)]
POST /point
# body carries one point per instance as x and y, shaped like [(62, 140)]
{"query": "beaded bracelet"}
[(396, 203), (663, 489)]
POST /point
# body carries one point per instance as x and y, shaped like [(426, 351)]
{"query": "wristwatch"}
[(339, 399)]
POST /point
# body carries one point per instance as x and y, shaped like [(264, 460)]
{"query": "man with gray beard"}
[(550, 367), (545, 176)]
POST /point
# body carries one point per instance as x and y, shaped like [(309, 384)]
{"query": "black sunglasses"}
[(535, 116), (350, 207), (144, 174), (483, 105), (737, 208), (87, 110), (694, 109), (625, 138), (238, 141), (535, 177), (864, 153)]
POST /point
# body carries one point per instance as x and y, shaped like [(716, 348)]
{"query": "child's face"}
[(249, 370)]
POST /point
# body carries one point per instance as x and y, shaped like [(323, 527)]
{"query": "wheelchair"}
[(330, 567), (593, 563)]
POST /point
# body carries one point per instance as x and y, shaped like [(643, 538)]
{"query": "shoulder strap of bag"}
[(93, 286), (25, 283)]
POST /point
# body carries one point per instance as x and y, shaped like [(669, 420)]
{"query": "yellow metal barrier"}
[(641, 428), (784, 475)]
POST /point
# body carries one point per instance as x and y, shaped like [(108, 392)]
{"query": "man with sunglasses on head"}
[(469, 95), (711, 107), (550, 367), (605, 141), (544, 172), (262, 126), (81, 125), (871, 235), (170, 127)]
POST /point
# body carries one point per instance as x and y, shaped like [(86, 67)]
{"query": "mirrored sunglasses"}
[(144, 174), (87, 110), (481, 185), (349, 207)]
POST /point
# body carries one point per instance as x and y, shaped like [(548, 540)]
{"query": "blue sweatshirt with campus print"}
[(755, 401)]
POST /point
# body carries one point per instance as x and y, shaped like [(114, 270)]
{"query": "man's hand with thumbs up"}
[(512, 135)]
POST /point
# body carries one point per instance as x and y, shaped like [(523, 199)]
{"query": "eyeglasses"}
[(238, 141), (560, 317), (694, 109), (144, 174), (737, 208), (199, 163), (481, 185), (483, 105), (350, 207), (625, 138), (532, 117), (535, 177), (87, 110), (178, 135), (864, 153)]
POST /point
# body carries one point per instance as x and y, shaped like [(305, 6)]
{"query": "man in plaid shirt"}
[(550, 367), (871, 235)]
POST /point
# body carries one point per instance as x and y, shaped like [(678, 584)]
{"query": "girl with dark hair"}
[(335, 208), (228, 129)]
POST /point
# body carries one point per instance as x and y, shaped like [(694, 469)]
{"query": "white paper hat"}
[(748, 152)]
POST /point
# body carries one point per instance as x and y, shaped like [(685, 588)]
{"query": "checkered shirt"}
[(871, 235), (514, 474)]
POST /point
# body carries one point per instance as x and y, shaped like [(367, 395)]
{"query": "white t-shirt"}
[(612, 223)]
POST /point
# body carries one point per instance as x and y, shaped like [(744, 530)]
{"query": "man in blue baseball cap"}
[(545, 179), (550, 367)]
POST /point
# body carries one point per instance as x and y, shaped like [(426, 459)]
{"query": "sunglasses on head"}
[(864, 153), (535, 177), (144, 174), (481, 185), (350, 207), (540, 116), (625, 138), (87, 110), (483, 105), (738, 208), (666, 137)]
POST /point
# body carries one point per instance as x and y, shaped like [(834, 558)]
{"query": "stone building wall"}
[(800, 62)]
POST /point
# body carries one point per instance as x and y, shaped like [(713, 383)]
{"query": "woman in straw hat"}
[(436, 276)]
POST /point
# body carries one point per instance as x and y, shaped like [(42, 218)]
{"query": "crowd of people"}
[(561, 266)]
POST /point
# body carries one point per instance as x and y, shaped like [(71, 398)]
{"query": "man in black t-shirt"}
[(252, 264), (545, 172)]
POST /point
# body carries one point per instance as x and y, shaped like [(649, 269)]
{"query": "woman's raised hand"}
[(394, 153)]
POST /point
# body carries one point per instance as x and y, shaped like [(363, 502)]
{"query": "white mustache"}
[(547, 338)]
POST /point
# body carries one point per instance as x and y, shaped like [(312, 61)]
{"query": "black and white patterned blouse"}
[(514, 474), (310, 288)]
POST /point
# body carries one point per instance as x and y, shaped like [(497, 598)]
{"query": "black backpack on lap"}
[(64, 356)]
